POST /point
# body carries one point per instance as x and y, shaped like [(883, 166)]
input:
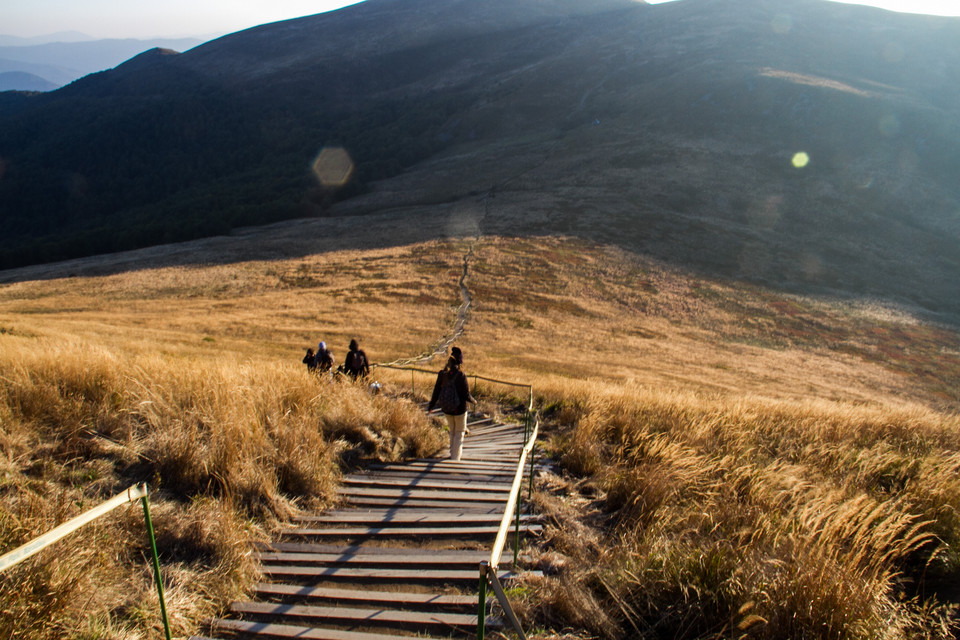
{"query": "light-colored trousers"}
[(456, 425)]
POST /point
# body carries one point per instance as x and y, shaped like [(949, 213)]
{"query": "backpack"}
[(324, 360), (357, 362), (449, 399)]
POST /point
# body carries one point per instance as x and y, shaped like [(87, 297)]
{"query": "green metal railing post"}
[(516, 539), (532, 460), (482, 607), (145, 501)]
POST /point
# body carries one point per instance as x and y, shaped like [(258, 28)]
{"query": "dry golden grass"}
[(753, 463), (231, 447)]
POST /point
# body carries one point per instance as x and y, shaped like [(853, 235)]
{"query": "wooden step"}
[(361, 573), (366, 615), (442, 559), (415, 555), (269, 630), (452, 485), (402, 598), (443, 462), (477, 495), (414, 477), (480, 506), (420, 532), (448, 472), (397, 516)]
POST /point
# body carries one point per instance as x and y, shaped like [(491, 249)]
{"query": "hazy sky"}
[(146, 18)]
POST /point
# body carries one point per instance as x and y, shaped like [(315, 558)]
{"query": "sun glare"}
[(801, 159), (333, 167)]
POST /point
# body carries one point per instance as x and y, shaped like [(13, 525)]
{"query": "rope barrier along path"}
[(463, 314)]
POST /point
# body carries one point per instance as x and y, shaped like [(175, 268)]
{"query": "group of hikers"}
[(354, 365), (451, 393)]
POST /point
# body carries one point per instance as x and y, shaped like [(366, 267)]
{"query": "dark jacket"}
[(463, 390), (356, 364)]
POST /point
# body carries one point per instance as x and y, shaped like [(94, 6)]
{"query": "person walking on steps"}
[(452, 393)]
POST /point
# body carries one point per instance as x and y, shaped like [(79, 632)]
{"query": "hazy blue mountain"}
[(22, 81), (60, 36), (805, 144), (55, 76), (67, 61)]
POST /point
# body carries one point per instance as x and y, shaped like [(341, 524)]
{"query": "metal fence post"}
[(516, 539), (532, 460), (145, 501), (482, 607)]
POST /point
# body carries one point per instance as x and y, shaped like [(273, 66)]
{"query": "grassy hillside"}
[(732, 457)]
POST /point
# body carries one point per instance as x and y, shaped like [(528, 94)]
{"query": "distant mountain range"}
[(23, 81), (805, 144), (60, 62)]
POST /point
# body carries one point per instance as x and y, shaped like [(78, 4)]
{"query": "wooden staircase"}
[(400, 558)]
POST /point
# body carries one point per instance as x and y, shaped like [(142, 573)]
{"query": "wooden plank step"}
[(499, 434), (341, 552), (395, 516), (478, 495), (502, 436), (365, 615), (364, 595), (446, 509), (425, 532), (443, 461), (485, 430), (453, 474), (471, 421), (440, 558), (488, 506), (476, 422), (465, 475), (449, 467), (291, 631), (509, 443), (467, 485), (363, 573), (511, 449)]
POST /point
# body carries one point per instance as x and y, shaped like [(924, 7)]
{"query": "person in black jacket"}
[(452, 393), (310, 360), (356, 364)]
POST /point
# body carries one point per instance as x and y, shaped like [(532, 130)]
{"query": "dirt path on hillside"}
[(463, 313), (440, 347)]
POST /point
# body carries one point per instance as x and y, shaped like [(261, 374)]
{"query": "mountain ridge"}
[(670, 129)]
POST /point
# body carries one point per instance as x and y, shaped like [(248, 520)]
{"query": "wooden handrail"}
[(132, 494), (512, 501), (40, 543), (433, 372)]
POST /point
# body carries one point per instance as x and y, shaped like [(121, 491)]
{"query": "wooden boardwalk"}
[(399, 558)]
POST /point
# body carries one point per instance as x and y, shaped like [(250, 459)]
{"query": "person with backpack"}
[(356, 364), (324, 358), (452, 393), (310, 360)]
